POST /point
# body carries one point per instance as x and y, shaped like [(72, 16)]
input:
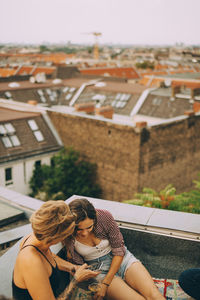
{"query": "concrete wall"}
[(129, 158)]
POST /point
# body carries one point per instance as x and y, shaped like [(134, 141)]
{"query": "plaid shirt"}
[(106, 228)]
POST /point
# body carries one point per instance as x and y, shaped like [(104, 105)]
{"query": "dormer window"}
[(8, 135), (37, 133)]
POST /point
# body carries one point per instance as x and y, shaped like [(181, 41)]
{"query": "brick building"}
[(132, 157)]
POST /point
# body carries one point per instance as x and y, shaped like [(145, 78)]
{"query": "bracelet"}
[(73, 270), (107, 284)]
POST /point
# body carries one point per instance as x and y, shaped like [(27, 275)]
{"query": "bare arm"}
[(114, 267), (65, 265)]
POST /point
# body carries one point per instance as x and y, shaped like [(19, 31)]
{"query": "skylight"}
[(15, 140), (65, 89), (157, 101), (9, 138), (68, 96), (120, 100), (7, 142), (37, 133), (32, 124), (40, 92), (9, 128)]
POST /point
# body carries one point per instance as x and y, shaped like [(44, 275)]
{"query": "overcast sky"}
[(119, 21)]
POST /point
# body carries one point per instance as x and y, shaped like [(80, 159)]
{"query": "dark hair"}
[(83, 210)]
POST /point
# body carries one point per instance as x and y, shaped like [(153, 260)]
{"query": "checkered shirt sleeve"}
[(107, 228)]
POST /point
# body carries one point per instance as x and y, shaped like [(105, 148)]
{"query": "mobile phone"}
[(96, 266)]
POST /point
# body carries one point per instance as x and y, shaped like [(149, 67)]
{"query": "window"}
[(37, 133), (120, 100), (8, 176), (15, 141), (32, 124), (7, 142), (8, 135), (9, 128), (38, 163)]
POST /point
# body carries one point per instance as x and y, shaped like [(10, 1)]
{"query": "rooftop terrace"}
[(162, 240)]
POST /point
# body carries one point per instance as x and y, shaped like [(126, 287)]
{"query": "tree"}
[(145, 65), (67, 175)]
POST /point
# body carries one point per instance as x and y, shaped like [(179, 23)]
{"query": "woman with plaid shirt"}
[(97, 239)]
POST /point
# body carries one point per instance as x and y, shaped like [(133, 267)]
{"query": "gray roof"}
[(159, 104), (18, 127), (121, 96)]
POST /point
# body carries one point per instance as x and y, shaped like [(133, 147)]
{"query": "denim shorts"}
[(128, 259)]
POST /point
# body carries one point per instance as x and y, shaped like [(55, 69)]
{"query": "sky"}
[(146, 22)]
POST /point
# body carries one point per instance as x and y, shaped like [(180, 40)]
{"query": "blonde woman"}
[(37, 270)]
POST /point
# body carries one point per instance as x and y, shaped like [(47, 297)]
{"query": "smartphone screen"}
[(96, 266)]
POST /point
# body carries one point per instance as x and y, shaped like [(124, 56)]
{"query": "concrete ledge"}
[(25, 203), (150, 218), (14, 234), (9, 214)]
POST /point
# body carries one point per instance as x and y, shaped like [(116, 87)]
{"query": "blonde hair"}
[(52, 221)]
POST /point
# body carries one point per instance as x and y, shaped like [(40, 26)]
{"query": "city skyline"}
[(150, 22)]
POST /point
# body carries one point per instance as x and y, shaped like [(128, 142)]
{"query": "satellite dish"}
[(40, 77), (57, 81), (13, 84), (32, 79), (167, 82), (100, 84)]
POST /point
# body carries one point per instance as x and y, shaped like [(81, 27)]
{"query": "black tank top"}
[(55, 279)]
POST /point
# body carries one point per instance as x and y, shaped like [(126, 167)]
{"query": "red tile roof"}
[(129, 73), (189, 84), (6, 72)]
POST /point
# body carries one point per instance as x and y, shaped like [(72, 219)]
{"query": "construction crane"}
[(96, 44)]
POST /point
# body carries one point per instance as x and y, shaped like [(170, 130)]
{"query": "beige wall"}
[(129, 159)]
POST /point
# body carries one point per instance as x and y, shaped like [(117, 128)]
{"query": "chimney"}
[(87, 107), (189, 113), (32, 102), (105, 111), (196, 107), (175, 90), (142, 124)]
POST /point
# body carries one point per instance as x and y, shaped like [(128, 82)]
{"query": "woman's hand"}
[(100, 294), (73, 269), (83, 273)]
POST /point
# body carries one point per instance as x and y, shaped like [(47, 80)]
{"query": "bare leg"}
[(119, 290), (140, 280)]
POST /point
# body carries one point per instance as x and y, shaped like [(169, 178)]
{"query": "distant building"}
[(27, 137)]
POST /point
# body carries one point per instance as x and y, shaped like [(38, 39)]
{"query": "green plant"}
[(151, 198), (67, 175)]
